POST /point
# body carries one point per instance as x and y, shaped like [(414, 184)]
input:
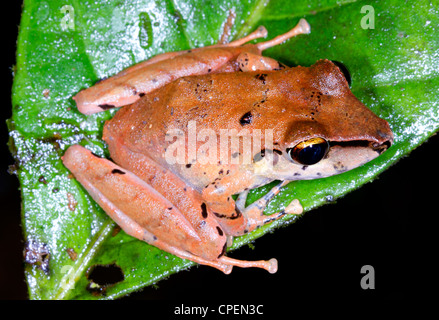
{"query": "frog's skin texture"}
[(186, 208)]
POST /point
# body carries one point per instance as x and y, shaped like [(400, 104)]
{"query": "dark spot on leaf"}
[(72, 254), (103, 276), (329, 198), (116, 230), (71, 201), (38, 254)]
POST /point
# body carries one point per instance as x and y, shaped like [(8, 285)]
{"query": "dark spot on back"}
[(203, 210), (261, 76), (246, 118), (117, 171), (220, 232)]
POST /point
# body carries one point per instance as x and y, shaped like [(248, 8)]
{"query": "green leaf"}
[(64, 46)]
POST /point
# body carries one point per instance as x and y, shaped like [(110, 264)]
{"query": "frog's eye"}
[(309, 152)]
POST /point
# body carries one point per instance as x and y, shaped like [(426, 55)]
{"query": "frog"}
[(305, 121)]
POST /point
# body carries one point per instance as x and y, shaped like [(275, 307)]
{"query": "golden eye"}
[(309, 152)]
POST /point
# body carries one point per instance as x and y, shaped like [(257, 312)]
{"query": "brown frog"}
[(208, 123)]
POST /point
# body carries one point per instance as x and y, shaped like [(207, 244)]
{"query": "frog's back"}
[(249, 100), (289, 102)]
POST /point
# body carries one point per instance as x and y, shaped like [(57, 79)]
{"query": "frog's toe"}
[(272, 265), (294, 207)]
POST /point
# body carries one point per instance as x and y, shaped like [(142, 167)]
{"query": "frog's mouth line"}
[(378, 147)]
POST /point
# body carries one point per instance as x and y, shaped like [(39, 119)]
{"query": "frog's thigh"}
[(139, 209), (248, 61), (186, 199)]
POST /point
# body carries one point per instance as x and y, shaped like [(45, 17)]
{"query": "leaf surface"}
[(65, 46)]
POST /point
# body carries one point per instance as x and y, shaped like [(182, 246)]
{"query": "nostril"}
[(380, 148)]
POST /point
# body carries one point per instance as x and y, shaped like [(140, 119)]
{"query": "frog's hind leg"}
[(145, 214), (137, 208)]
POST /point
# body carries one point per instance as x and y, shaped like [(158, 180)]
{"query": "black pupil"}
[(312, 154)]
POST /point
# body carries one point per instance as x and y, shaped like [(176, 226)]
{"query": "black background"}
[(387, 224)]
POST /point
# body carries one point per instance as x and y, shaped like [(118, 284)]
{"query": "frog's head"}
[(334, 133)]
